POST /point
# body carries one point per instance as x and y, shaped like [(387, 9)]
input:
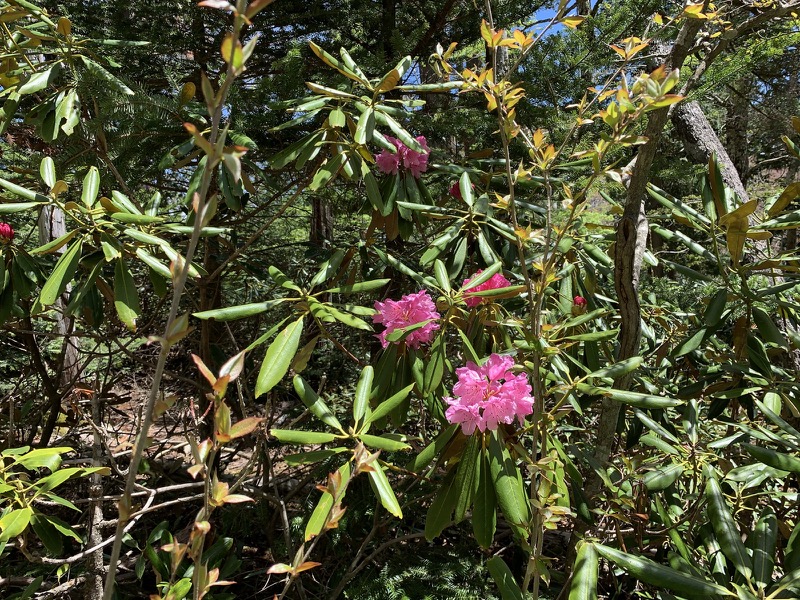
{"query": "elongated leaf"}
[(660, 576), (662, 478), (242, 311), (617, 369), (508, 486), (384, 490), (484, 514), (584, 574), (91, 187), (319, 517), (315, 404), (278, 357), (762, 543), (468, 476), (441, 509), (294, 436), (47, 169), (361, 286), (727, 533), (776, 460), (308, 458), (14, 523), (363, 391), (62, 274), (504, 579), (23, 193), (636, 399), (126, 298), (383, 443), (432, 450), (388, 405)]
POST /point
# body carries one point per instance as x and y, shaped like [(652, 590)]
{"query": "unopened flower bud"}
[(578, 306), (6, 233)]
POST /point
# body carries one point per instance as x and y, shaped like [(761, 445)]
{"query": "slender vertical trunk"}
[(95, 566), (736, 124)]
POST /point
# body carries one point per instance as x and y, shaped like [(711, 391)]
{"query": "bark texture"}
[(701, 141)]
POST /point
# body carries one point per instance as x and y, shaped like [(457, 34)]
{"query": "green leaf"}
[(126, 298), (278, 357), (468, 475), (373, 192), (366, 125), (363, 391), (715, 308), (294, 436), (48, 534), (508, 485), (314, 403), (328, 269), (623, 367), (484, 514), (383, 443), (646, 401), (361, 286), (661, 478), (242, 311), (388, 405), (99, 72), (381, 485), (401, 133), (504, 579), (660, 576), (15, 207), (727, 534), (62, 274), (584, 574), (322, 511), (690, 344), (47, 169), (91, 187), (22, 193), (39, 81), (439, 513), (14, 523), (434, 370), (762, 542), (432, 450), (776, 460)]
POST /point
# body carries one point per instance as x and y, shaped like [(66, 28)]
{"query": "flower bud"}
[(578, 306), (6, 233)]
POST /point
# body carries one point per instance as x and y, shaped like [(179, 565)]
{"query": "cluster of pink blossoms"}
[(405, 158), (489, 395), (409, 310), (495, 282)]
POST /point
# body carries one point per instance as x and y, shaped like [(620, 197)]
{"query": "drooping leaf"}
[(278, 357)]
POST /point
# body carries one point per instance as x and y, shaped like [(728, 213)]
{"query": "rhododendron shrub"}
[(410, 310), (488, 395)]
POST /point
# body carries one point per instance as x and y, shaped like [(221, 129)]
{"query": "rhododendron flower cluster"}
[(405, 158), (495, 282), (6, 233), (409, 310), (489, 395)]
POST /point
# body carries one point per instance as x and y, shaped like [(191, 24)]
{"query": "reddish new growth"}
[(495, 282), (579, 301), (409, 310), (6, 233), (404, 159), (489, 395)]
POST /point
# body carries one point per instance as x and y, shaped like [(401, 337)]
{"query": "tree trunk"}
[(321, 231), (701, 141), (736, 123)]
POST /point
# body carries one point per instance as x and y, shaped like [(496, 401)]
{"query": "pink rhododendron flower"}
[(495, 282), (578, 306), (6, 233), (405, 158), (409, 310), (488, 395)]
